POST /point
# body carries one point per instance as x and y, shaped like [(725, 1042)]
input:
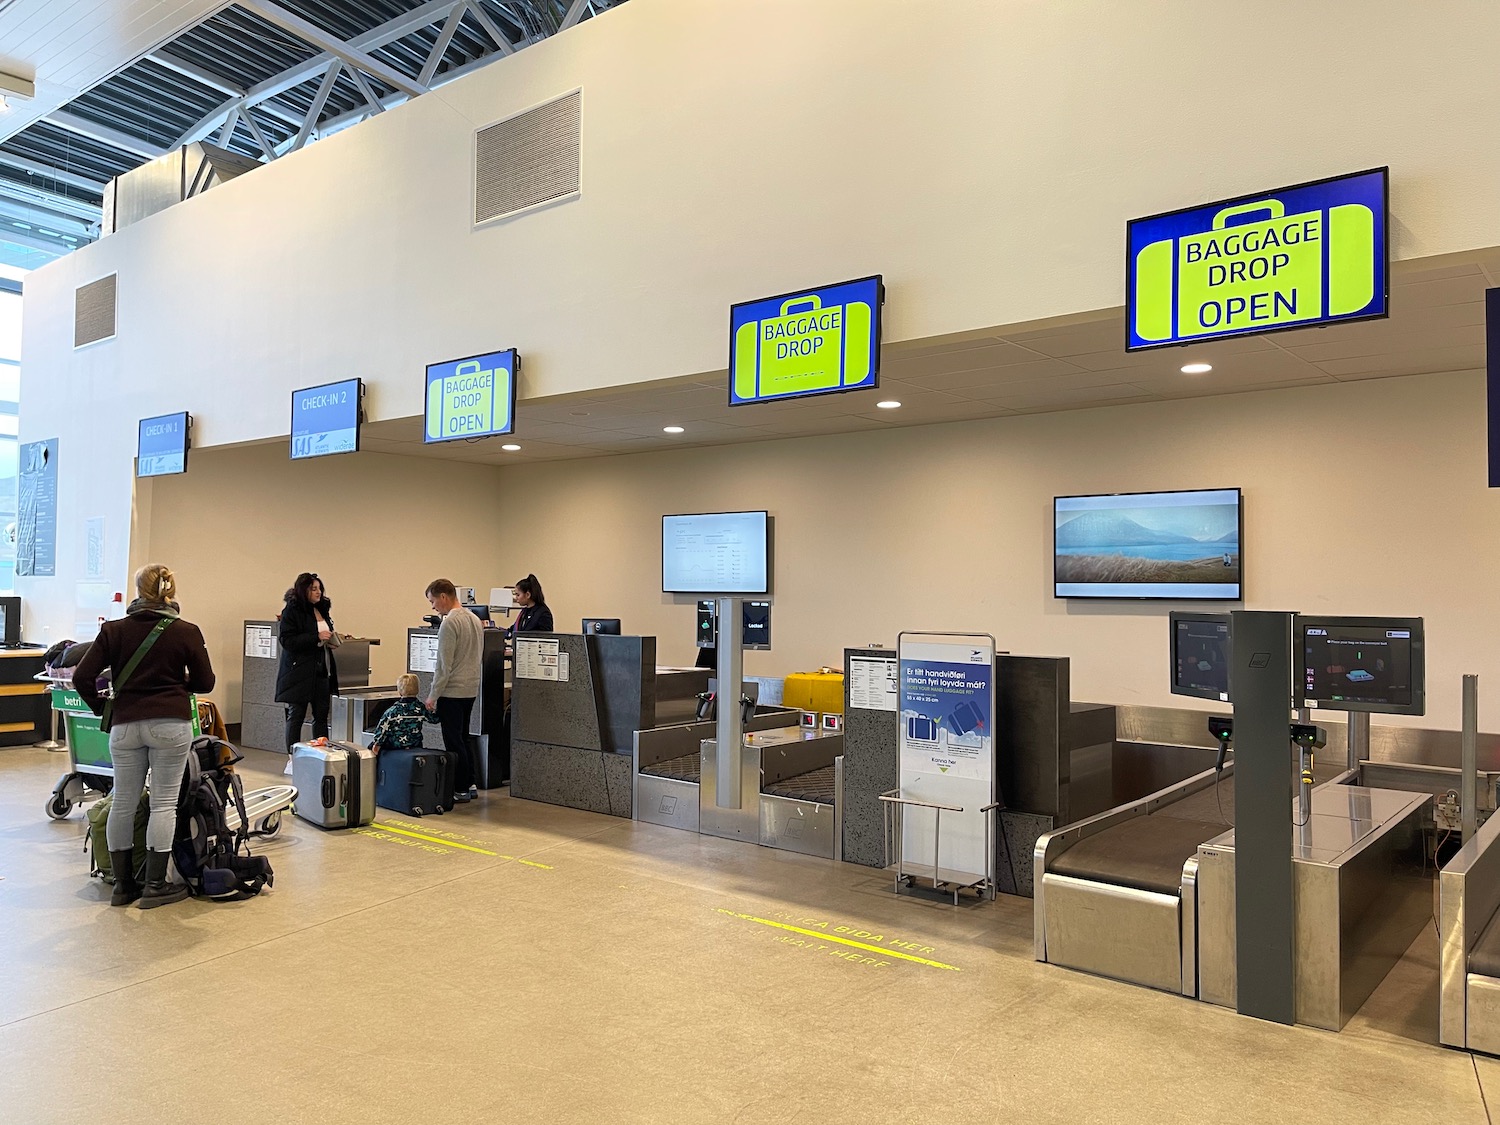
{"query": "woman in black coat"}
[(307, 671)]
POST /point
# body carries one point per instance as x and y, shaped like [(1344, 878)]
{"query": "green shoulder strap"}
[(130, 666)]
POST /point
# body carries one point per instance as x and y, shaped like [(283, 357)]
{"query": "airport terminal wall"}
[(1359, 498), (985, 162)]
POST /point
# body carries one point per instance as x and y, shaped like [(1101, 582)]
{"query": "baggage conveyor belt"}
[(689, 767), (816, 785)]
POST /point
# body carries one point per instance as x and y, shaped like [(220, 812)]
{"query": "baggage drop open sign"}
[(471, 398), (1289, 258), (820, 341)]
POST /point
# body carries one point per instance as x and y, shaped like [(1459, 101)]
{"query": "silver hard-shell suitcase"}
[(335, 784)]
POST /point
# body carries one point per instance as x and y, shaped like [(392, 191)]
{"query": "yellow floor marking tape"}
[(819, 934), (543, 866), (428, 839)]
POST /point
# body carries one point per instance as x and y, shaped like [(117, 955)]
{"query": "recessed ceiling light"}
[(511, 448), (1197, 368), (888, 404), (671, 429)]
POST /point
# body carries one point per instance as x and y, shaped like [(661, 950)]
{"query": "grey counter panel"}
[(565, 775), (869, 770), (559, 712)]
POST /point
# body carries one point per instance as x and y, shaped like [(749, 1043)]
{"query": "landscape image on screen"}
[(1158, 544)]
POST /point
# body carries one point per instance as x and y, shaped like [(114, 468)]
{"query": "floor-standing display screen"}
[(1362, 664), (813, 342), (1183, 545), (1201, 652), (162, 445), (471, 398), (716, 553), (1285, 258), (326, 419)]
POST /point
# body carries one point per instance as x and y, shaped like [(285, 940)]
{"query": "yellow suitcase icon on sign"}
[(807, 348), (1258, 275), (463, 399)]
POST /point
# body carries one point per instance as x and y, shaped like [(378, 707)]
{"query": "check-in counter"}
[(487, 719), (25, 711), (262, 719), (577, 702)]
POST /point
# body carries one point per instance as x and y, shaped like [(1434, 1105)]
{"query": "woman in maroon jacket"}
[(150, 726)]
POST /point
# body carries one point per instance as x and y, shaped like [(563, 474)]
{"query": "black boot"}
[(159, 892), (127, 890)]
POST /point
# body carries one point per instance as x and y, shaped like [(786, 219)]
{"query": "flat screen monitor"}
[(162, 445), (755, 625), (325, 420), (1165, 545), (471, 398), (602, 625), (1362, 664), (1201, 651), (10, 622), (811, 342), (480, 611), (716, 553)]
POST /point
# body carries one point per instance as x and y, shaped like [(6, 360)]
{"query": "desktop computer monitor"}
[(10, 622), (602, 625), (480, 611)]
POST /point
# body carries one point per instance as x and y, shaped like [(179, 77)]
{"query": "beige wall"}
[(243, 522), (1364, 498)]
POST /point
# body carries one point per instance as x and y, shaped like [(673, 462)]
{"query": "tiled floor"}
[(566, 967)]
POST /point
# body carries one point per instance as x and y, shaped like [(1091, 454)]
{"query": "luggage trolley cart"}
[(946, 764), (264, 808)]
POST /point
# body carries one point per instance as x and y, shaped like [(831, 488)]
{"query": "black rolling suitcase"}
[(415, 782)]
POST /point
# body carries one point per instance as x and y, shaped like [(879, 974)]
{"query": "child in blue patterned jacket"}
[(400, 728)]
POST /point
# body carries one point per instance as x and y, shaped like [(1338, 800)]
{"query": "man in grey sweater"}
[(455, 682)]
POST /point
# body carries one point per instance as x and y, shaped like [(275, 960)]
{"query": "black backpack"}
[(213, 859)]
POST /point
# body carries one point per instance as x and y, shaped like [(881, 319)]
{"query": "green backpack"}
[(97, 847)]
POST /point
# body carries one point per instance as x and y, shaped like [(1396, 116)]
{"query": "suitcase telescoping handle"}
[(812, 300), (1275, 206)]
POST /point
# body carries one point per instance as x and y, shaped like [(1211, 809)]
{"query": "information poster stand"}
[(942, 817)]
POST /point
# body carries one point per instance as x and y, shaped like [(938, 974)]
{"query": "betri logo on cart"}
[(1292, 257)]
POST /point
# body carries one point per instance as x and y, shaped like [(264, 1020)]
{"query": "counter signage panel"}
[(162, 445), (472, 398), (814, 342), (326, 419), (1309, 254)]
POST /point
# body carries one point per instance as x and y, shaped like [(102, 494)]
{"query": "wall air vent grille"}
[(528, 160), (94, 311)]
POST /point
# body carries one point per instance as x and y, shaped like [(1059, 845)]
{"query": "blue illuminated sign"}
[(471, 398), (814, 342), (326, 419), (1296, 256), (162, 445)]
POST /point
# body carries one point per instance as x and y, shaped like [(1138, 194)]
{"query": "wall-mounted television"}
[(1169, 545), (1362, 664), (716, 553), (162, 445), (1202, 648), (325, 420)]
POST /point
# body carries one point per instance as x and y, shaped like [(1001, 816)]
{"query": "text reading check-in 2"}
[(818, 341), (326, 419), (1301, 255), (471, 398)]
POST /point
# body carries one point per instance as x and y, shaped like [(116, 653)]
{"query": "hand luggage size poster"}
[(946, 695)]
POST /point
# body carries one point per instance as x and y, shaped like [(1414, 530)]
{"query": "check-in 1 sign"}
[(1283, 259), (471, 398), (819, 341)]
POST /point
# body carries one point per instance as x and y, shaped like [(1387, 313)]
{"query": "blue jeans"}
[(161, 744)]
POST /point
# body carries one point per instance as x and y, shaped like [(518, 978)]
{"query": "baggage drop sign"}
[(1289, 258), (819, 341), (471, 398)]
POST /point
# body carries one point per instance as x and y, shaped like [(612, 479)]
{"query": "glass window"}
[(10, 408)]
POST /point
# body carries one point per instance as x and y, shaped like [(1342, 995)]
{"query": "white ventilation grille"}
[(94, 311), (527, 160)]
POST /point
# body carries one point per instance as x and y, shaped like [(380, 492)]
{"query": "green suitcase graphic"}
[(800, 351), (478, 399), (1266, 274)]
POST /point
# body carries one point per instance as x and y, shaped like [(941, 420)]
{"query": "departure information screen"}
[(326, 419), (1284, 258), (471, 398), (1200, 656), (162, 445), (716, 553), (816, 342), (1362, 664)]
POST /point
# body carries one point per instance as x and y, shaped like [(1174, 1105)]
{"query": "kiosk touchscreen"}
[(1202, 647), (1362, 664), (755, 625)]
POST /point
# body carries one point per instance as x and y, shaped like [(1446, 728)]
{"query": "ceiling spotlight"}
[(888, 404), (671, 429), (511, 448), (1197, 368)]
